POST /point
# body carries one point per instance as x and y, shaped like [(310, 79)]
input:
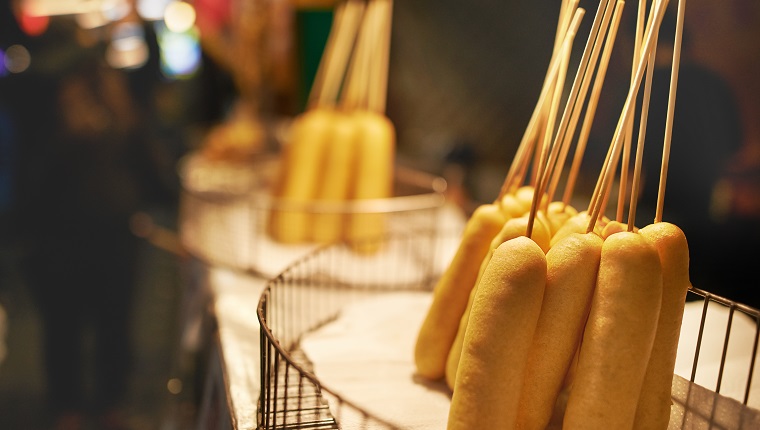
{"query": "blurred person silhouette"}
[(706, 133), (88, 163)]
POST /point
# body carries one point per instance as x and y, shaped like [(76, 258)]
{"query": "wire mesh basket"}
[(314, 291), (226, 208)]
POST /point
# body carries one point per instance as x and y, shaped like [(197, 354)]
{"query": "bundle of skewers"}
[(342, 148), (553, 317)]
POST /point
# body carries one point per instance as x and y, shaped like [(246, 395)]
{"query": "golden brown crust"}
[(572, 266), (618, 337), (452, 292), (653, 410), (504, 314)]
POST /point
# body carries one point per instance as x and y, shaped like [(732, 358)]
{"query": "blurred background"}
[(100, 99)]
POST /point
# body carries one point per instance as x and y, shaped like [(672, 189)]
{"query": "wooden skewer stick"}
[(671, 107), (591, 109), (384, 56), (641, 139), (564, 59), (623, 187), (327, 53), (528, 140), (374, 61), (606, 166), (355, 94), (561, 27), (578, 90), (332, 67), (610, 160), (379, 28), (368, 56), (652, 28), (549, 110)]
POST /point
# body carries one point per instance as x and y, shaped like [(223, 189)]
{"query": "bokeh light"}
[(31, 23), (17, 59), (115, 10), (179, 16), (180, 52), (128, 49), (3, 69), (91, 19), (151, 10)]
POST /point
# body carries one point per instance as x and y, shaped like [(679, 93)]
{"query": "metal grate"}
[(311, 293)]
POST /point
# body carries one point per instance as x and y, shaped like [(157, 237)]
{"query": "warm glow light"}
[(174, 386), (128, 49), (31, 24), (17, 59), (90, 20), (59, 7), (151, 10), (115, 10), (179, 16), (180, 52)]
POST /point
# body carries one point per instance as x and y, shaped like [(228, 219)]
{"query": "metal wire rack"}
[(312, 292), (309, 294), (733, 309), (225, 209)]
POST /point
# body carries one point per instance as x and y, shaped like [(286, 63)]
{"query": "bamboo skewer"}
[(564, 57), (641, 139), (527, 143), (577, 91), (355, 94), (338, 23), (384, 47), (601, 192), (330, 72), (652, 28), (671, 106), (611, 30), (623, 187), (591, 109), (561, 26)]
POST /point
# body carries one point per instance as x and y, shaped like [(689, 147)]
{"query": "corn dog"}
[(452, 292), (653, 410), (576, 224), (299, 173), (524, 195), (618, 337), (513, 228), (335, 178), (504, 316), (613, 227), (375, 152), (572, 266), (511, 206), (558, 213)]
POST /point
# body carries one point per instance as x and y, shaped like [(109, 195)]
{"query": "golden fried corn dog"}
[(524, 195), (653, 411), (572, 266), (576, 224), (613, 227), (511, 206), (513, 228), (335, 178), (375, 152), (299, 174), (452, 292), (558, 213), (618, 337), (503, 318)]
